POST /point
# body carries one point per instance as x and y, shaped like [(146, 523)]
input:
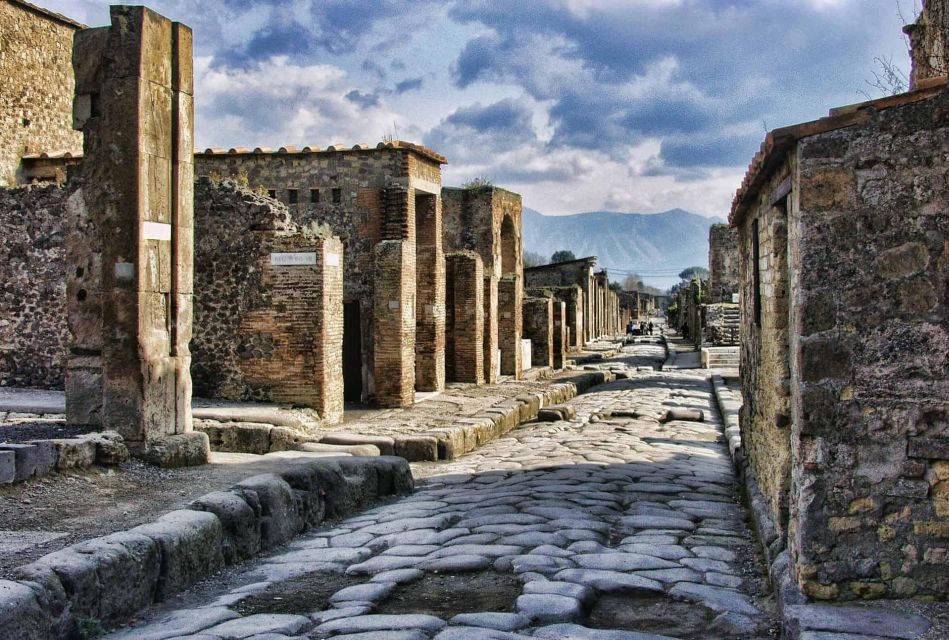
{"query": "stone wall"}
[(561, 333), (264, 331), (367, 196), (929, 42), (539, 329), (869, 260), (765, 416), (33, 333), (464, 317), (38, 85), (722, 263), (510, 324), (572, 297), (722, 324)]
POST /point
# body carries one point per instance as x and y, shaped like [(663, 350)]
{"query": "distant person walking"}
[(650, 328)]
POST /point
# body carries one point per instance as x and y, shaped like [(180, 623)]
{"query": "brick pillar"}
[(561, 333), (510, 323), (464, 317), (130, 241), (539, 329), (430, 294), (492, 357), (394, 324)]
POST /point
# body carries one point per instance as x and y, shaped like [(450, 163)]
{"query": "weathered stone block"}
[(182, 450), (7, 466), (273, 500), (75, 453), (416, 448), (21, 614), (127, 569), (240, 525)]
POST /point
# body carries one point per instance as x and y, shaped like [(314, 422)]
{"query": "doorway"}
[(352, 352)]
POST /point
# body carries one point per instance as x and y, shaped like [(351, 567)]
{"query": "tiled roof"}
[(779, 142), (333, 148)]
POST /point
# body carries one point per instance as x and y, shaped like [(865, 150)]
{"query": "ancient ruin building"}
[(129, 289), (385, 205), (38, 86), (575, 273), (929, 43), (722, 323), (539, 329), (487, 220), (269, 316), (572, 298), (844, 259)]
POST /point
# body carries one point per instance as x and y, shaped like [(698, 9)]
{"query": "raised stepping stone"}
[(416, 448), (873, 622), (607, 581), (398, 576), (715, 598), (691, 415), (464, 562), (549, 607), (619, 561), (260, 624), (348, 611), (386, 444), (382, 622), (491, 620), (369, 592), (584, 594)]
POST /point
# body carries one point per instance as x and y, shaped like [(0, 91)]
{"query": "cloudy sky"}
[(579, 105)]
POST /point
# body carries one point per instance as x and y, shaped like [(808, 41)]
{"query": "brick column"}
[(394, 324), (130, 245), (561, 341), (430, 294), (510, 323), (492, 357), (464, 317)]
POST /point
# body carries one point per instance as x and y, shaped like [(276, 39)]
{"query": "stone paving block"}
[(27, 460), (490, 620), (549, 607), (386, 444), (240, 524), (856, 620), (272, 498), (577, 632), (382, 622), (715, 598), (7, 466), (21, 614), (259, 623)]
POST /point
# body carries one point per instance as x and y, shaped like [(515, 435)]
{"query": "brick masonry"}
[(38, 85), (510, 324), (845, 415), (464, 317), (389, 193), (539, 329), (574, 273), (263, 331), (572, 297), (722, 263)]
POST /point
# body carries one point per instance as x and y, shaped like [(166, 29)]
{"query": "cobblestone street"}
[(621, 522)]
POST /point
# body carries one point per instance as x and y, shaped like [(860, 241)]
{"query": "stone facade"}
[(510, 324), (722, 324), (722, 264), (561, 333), (929, 42), (464, 317), (539, 329), (129, 249), (38, 85), (368, 196), (269, 315), (487, 220), (572, 297), (845, 419)]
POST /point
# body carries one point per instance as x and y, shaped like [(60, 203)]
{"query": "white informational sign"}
[(332, 259), (735, 298), (293, 259), (156, 230)]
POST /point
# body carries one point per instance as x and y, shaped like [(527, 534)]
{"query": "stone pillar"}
[(429, 282), (561, 333), (130, 242), (464, 317), (929, 42), (539, 329), (394, 324), (492, 356), (510, 323)]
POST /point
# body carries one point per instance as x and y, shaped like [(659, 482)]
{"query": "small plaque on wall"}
[(332, 259), (735, 298), (293, 259), (156, 230)]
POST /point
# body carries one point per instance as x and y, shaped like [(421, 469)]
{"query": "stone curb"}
[(37, 458), (799, 619), (105, 581), (469, 433)]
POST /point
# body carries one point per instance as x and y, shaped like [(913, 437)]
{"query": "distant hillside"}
[(657, 246)]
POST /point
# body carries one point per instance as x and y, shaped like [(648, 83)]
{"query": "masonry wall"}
[(366, 196), (576, 272), (264, 332), (510, 324), (34, 337), (464, 317), (539, 329), (869, 260), (561, 332), (572, 297), (38, 85), (929, 40), (722, 263), (766, 413)]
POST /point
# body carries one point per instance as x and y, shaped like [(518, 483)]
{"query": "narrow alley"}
[(619, 522)]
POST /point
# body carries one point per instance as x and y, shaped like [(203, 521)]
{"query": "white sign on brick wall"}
[(332, 259), (156, 230), (293, 259)]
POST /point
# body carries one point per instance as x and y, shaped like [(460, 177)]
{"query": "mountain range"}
[(657, 246)]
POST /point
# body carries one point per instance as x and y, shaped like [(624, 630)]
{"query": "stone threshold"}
[(800, 618), (106, 581)]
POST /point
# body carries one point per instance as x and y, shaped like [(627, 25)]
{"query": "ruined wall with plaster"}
[(38, 85), (722, 263), (929, 42)]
